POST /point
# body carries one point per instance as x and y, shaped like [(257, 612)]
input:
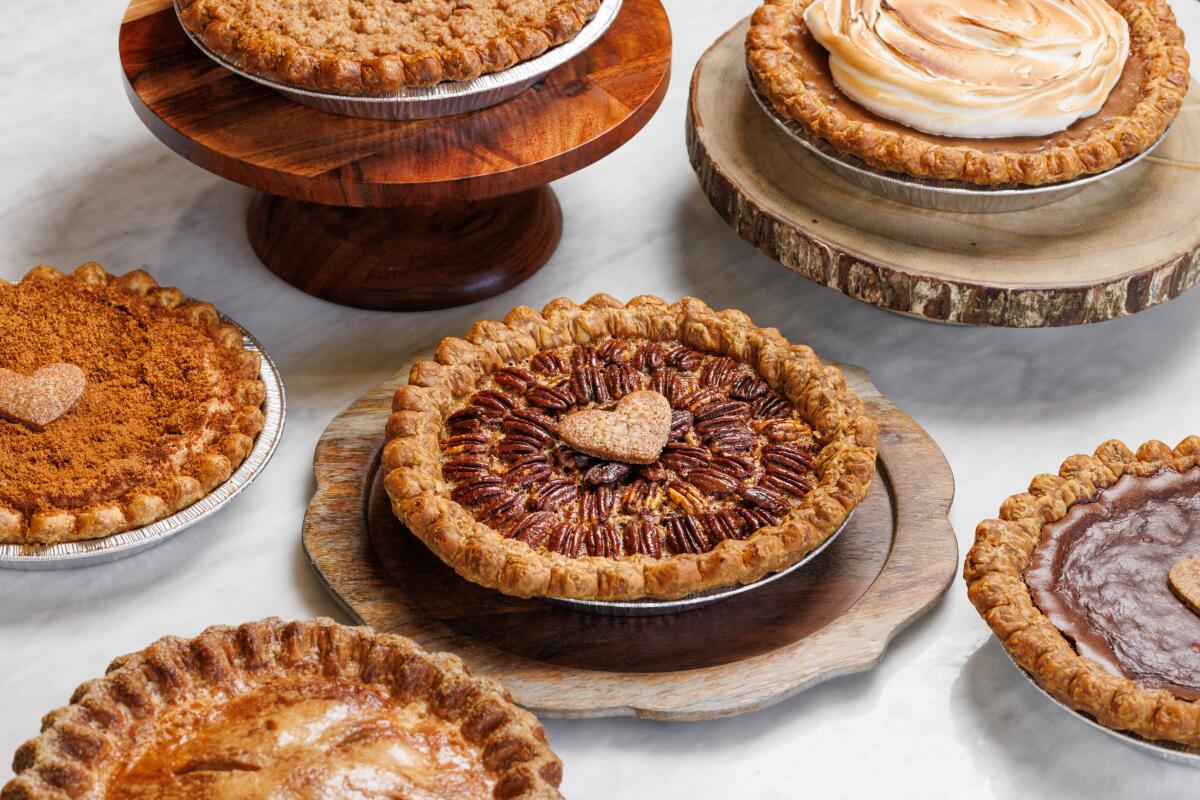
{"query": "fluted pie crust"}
[(420, 493), (381, 47), (197, 443), (330, 705), (779, 73), (993, 572)]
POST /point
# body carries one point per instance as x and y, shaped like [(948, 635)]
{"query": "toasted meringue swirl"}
[(974, 68)]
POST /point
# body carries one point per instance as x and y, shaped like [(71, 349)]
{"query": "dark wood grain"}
[(834, 616), (1117, 247), (418, 257), (249, 134)]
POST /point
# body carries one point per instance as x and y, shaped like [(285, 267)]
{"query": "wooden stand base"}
[(1118, 247), (407, 258), (399, 215)]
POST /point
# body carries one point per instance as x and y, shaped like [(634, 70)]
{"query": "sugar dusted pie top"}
[(382, 46), (169, 403)]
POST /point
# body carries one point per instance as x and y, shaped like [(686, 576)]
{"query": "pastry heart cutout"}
[(1184, 578), (37, 400), (634, 432)]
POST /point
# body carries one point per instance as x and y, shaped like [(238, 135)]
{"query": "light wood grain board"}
[(832, 617), (1115, 248)]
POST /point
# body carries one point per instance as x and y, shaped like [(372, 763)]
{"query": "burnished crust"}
[(993, 572), (1152, 29), (83, 744), (199, 470), (275, 55), (420, 496)]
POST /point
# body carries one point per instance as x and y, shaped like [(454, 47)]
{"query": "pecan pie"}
[(762, 454), (375, 47), (287, 709), (1086, 581), (121, 402), (983, 91)]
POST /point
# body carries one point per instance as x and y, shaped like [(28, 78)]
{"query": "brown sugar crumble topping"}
[(738, 458)]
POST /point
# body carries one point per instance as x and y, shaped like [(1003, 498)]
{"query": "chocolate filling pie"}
[(1076, 578), (761, 455)]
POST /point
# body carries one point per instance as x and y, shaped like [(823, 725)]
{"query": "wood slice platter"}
[(467, 214), (1115, 248), (832, 617)]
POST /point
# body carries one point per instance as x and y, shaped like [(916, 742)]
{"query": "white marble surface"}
[(943, 715)]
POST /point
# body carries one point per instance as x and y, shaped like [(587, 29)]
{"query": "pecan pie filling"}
[(738, 457)]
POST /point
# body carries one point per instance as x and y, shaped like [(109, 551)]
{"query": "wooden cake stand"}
[(1117, 247), (398, 215), (832, 617)]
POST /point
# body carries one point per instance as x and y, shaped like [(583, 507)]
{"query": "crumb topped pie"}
[(1091, 581), (986, 92), (376, 47), (288, 709), (121, 402), (621, 451)]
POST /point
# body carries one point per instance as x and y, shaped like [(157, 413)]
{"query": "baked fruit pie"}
[(121, 402), (1091, 580), (612, 451), (376, 47), (986, 92), (287, 709)]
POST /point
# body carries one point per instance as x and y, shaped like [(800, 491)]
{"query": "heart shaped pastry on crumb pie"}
[(633, 432), (37, 400), (1184, 578)]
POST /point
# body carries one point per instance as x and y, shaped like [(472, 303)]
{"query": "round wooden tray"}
[(1113, 249), (833, 617), (398, 215)]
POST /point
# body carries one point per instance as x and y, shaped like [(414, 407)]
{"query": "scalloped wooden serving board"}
[(1117, 247), (832, 617)]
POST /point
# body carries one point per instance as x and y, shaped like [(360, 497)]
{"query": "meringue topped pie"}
[(276, 709), (1091, 580), (616, 451), (986, 92)]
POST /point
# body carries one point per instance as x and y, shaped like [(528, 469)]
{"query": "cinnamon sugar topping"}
[(162, 389)]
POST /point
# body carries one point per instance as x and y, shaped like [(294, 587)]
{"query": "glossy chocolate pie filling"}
[(1100, 576)]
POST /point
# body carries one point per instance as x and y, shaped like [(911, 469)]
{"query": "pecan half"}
[(718, 371), (766, 500), (515, 379), (534, 529), (748, 387), (528, 470), (567, 539), (466, 444), (711, 481), (641, 536), (554, 494), (606, 474), (604, 541), (492, 403), (685, 358), (685, 497), (770, 406), (549, 363), (684, 535), (597, 504), (683, 457), (551, 398)]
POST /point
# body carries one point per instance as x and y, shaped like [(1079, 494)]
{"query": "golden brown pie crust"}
[(380, 46), (160, 707), (773, 49), (420, 494), (170, 409), (993, 572)]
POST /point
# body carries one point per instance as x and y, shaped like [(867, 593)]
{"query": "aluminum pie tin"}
[(658, 608), (67, 555), (1168, 751), (444, 99), (951, 196)]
